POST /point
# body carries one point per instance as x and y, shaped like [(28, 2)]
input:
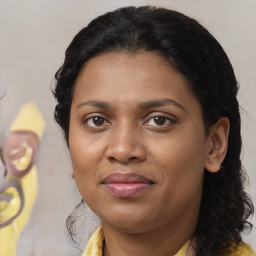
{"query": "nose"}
[(126, 145)]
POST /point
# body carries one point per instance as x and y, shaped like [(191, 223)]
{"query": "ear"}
[(217, 145)]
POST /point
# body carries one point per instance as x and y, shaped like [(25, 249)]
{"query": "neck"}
[(164, 241)]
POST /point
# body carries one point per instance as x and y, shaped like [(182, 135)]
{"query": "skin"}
[(172, 153)]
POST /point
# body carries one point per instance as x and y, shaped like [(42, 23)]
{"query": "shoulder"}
[(243, 249)]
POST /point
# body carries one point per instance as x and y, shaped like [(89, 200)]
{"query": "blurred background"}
[(33, 39)]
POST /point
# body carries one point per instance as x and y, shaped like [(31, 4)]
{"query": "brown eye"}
[(159, 120), (96, 121)]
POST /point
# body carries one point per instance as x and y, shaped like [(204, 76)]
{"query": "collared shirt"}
[(95, 246)]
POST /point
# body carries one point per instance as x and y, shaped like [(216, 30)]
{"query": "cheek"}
[(85, 150), (180, 161), (83, 158), (86, 155), (181, 151), (180, 173), (83, 173)]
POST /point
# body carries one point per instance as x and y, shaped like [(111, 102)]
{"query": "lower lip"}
[(126, 190)]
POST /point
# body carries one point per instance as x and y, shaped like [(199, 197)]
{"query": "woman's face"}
[(137, 142)]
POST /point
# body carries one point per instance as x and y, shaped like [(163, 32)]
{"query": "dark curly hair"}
[(196, 54)]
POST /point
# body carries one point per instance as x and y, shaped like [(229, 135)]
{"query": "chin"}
[(130, 221)]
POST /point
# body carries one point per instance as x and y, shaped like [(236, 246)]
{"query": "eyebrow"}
[(142, 106), (95, 103), (160, 103)]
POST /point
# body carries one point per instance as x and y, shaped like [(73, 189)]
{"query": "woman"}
[(147, 102)]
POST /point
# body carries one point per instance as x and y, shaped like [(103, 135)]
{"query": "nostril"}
[(125, 152), (126, 160), (111, 159)]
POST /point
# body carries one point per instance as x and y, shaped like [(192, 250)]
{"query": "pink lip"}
[(126, 184)]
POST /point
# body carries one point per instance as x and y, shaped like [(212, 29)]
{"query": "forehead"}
[(127, 80)]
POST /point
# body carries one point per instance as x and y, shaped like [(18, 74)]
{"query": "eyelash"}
[(92, 118), (170, 120), (105, 123)]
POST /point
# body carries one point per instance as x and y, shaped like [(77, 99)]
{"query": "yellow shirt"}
[(95, 244)]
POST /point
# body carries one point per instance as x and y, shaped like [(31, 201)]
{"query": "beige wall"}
[(33, 37)]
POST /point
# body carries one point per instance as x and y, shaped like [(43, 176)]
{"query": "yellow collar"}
[(95, 244)]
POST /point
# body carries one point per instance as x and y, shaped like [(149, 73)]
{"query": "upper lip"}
[(120, 177)]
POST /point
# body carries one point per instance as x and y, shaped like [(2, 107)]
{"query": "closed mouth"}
[(126, 185)]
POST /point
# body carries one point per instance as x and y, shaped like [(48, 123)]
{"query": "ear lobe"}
[(217, 145)]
